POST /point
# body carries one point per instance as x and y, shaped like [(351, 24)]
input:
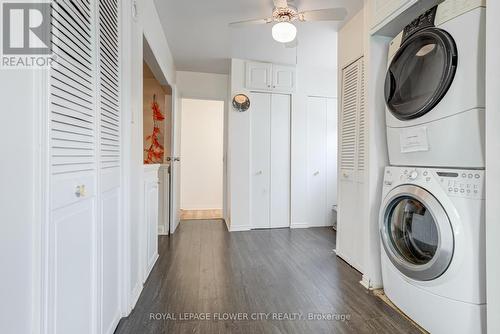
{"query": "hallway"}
[(273, 273)]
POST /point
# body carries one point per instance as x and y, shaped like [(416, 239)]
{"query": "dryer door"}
[(420, 73), (416, 233)]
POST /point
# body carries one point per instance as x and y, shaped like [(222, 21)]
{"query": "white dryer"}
[(433, 247), (435, 88)]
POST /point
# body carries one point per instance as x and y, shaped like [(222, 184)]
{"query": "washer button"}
[(470, 176), (477, 176), (464, 175)]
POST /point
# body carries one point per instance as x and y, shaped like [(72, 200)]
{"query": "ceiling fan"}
[(283, 15)]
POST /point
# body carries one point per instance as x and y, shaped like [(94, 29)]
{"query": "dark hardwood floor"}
[(280, 273)]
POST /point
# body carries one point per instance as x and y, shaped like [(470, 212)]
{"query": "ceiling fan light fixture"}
[(284, 32)]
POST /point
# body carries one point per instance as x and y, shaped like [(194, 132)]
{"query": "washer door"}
[(420, 73), (416, 233)]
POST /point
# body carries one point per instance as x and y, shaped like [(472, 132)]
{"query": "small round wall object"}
[(241, 102)]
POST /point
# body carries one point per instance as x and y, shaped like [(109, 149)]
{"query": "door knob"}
[(259, 173), (316, 173), (80, 191)]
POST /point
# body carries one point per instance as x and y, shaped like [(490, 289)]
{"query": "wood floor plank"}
[(204, 268)]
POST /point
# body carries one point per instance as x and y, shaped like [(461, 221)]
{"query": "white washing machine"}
[(433, 247), (435, 88)]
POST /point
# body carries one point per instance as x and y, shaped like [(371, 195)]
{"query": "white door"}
[(260, 113), (280, 161), (109, 163), (72, 233), (331, 157), (322, 159), (258, 75), (317, 153), (283, 78), (175, 163)]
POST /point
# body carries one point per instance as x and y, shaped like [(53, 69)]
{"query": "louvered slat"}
[(109, 85), (72, 116)]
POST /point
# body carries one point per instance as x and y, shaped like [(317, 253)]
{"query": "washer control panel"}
[(456, 183), (462, 183)]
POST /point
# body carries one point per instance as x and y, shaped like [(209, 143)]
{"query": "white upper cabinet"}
[(270, 77), (283, 78), (259, 75)]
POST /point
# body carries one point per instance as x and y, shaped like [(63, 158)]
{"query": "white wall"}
[(202, 135), (492, 165), (146, 25), (208, 86), (19, 221)]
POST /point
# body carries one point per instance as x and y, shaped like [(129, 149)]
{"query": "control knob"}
[(413, 175)]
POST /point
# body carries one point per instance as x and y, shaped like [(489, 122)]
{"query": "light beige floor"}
[(201, 214)]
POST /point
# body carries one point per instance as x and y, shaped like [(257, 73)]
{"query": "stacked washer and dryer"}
[(432, 214)]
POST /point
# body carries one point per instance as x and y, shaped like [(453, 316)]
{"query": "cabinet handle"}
[(316, 173), (259, 173)]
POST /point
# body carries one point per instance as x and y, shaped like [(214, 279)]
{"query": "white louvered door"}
[(85, 168), (73, 171), (109, 161), (352, 165)]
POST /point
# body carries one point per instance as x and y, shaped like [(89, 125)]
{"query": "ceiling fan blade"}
[(330, 14), (280, 3), (292, 44), (250, 22)]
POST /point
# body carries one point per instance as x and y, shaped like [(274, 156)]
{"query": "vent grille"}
[(72, 118), (109, 91)]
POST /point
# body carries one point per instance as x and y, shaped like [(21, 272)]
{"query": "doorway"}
[(202, 149)]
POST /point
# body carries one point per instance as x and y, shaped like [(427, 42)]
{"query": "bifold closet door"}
[(316, 164), (72, 238), (280, 161), (322, 159), (85, 175), (109, 163), (270, 160), (260, 159)]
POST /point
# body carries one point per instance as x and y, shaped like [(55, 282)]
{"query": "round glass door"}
[(420, 73), (413, 231), (416, 233)]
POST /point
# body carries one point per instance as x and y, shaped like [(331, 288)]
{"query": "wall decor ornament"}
[(154, 154), (241, 102)]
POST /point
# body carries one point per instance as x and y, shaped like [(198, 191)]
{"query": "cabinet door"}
[(151, 211), (258, 75), (317, 152), (283, 78), (280, 161), (260, 114)]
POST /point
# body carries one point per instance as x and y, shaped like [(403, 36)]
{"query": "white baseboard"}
[(136, 293), (299, 225), (238, 228), (346, 259), (307, 225)]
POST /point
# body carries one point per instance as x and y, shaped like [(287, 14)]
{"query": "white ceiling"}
[(201, 41)]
